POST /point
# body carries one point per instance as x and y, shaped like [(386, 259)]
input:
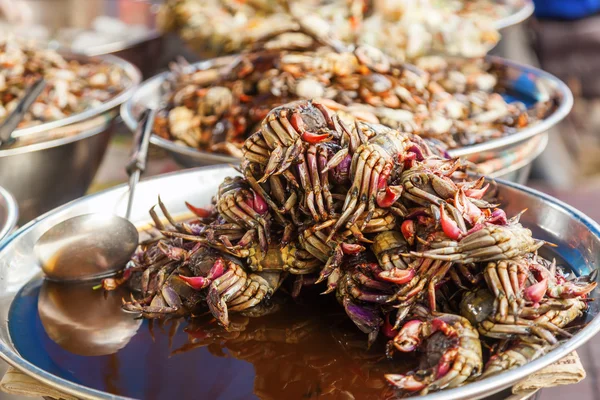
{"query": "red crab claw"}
[(383, 177), (259, 204), (314, 138), (446, 362), (217, 269), (405, 382), (397, 275), (408, 230), (389, 197), (449, 226), (498, 217), (569, 290), (352, 249), (200, 212), (439, 325), (409, 337), (196, 282), (535, 293), (472, 213), (477, 193)]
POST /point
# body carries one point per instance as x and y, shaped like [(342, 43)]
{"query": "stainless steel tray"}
[(9, 213), (523, 81), (577, 237)]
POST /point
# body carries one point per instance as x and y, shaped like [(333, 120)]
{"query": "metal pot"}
[(523, 82), (9, 212), (548, 218), (61, 166)]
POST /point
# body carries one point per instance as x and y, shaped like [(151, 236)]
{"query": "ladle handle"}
[(141, 141), (16, 116), (139, 154)]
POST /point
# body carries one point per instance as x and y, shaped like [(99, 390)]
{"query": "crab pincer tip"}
[(535, 293), (314, 138), (195, 282), (449, 226)]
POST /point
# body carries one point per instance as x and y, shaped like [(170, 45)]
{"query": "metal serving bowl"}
[(577, 237), (9, 213), (521, 10), (62, 162), (523, 81)]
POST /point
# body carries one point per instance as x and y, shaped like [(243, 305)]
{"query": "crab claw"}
[(196, 282), (535, 293), (259, 204), (416, 150), (366, 318), (408, 230), (173, 252), (352, 249), (477, 193), (409, 337), (449, 226), (397, 275), (498, 217), (446, 362), (389, 197), (405, 382), (198, 211), (314, 138), (341, 172), (216, 270), (470, 211)]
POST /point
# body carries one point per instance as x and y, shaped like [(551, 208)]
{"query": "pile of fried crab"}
[(414, 249)]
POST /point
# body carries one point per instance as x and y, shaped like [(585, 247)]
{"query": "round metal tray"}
[(521, 10), (523, 81), (9, 213), (577, 237)]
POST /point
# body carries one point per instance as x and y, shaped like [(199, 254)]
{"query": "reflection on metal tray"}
[(577, 237), (523, 83), (9, 212)]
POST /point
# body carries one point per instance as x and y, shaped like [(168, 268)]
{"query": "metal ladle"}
[(96, 245)]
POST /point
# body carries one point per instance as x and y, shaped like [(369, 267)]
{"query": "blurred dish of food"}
[(217, 27), (215, 105)]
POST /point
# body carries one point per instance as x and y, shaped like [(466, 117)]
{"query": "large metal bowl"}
[(9, 213), (61, 166), (523, 81), (577, 237), (520, 11)]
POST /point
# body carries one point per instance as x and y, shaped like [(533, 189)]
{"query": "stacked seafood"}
[(405, 29), (412, 248), (455, 102), (72, 87)]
